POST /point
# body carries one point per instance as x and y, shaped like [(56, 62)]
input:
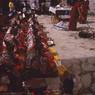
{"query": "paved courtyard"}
[(77, 54), (68, 44)]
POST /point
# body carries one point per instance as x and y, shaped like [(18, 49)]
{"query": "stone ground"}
[(68, 44), (77, 54)]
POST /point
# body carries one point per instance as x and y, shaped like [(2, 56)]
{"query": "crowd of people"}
[(78, 13), (25, 59)]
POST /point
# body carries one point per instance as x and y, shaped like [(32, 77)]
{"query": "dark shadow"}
[(90, 22), (83, 28)]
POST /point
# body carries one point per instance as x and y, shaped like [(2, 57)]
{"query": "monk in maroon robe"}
[(84, 11), (1, 41), (74, 16)]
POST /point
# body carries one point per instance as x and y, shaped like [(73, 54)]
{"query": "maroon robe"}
[(74, 16), (85, 8), (1, 41)]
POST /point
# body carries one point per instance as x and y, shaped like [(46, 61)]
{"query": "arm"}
[(80, 12)]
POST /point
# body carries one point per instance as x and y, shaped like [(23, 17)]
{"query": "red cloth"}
[(1, 36), (84, 10), (33, 93), (19, 67), (74, 16), (1, 41), (0, 49)]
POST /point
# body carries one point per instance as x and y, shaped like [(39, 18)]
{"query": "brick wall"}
[(84, 71)]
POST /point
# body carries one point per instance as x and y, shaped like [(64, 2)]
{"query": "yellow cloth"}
[(55, 54), (61, 68)]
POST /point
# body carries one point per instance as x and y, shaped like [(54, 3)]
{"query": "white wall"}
[(92, 6)]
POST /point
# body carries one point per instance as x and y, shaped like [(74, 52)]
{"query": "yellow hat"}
[(11, 4)]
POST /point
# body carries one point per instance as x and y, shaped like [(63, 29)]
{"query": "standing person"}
[(70, 2), (0, 5), (37, 86), (74, 16), (1, 40), (34, 4), (53, 3), (5, 6), (18, 5), (84, 10), (42, 6), (67, 84)]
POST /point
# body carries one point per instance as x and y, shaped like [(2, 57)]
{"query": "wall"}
[(84, 72), (92, 6)]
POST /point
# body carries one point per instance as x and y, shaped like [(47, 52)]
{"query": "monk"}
[(1, 40), (84, 10), (5, 7), (74, 16)]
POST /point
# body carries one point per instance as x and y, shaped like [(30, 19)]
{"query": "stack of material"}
[(27, 46), (25, 53)]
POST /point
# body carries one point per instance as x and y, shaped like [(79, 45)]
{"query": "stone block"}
[(77, 84), (86, 80), (66, 62), (71, 62), (93, 75), (83, 60), (53, 83), (93, 87), (88, 94), (75, 61), (88, 67), (91, 60), (76, 68)]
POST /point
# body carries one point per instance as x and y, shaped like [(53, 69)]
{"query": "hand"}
[(81, 17)]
